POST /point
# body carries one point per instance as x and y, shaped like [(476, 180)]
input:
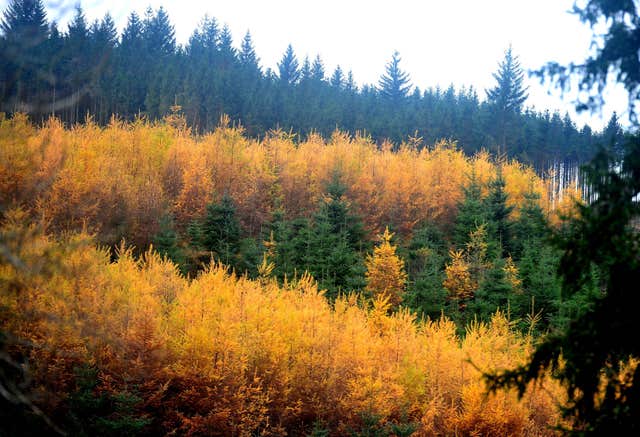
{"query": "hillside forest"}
[(190, 245)]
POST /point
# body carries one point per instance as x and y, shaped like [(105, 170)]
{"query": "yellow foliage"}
[(243, 356), (385, 271), (458, 281), (512, 274), (125, 176)]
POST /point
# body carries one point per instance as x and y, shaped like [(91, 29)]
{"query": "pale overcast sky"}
[(440, 41)]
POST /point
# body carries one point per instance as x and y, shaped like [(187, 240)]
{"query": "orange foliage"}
[(222, 355), (121, 179)]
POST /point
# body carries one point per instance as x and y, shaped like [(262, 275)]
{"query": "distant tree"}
[(247, 56), (78, 52), (103, 39), (24, 35), (612, 135), (130, 87), (394, 84), (350, 84), (159, 34), (506, 99), (509, 93), (317, 69), (495, 291), (225, 45), (335, 243), (289, 72), (337, 78), (530, 226)]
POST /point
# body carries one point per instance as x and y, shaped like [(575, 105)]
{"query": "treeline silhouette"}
[(90, 69)]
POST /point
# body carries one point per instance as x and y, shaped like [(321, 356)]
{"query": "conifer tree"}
[(317, 69), (530, 226), (594, 356), (496, 291), (247, 55), (506, 99), (289, 72), (394, 84), (78, 49), (499, 223), (509, 93), (385, 271), (425, 270), (221, 231), (24, 33), (130, 88), (166, 241), (335, 242), (471, 212), (337, 78)]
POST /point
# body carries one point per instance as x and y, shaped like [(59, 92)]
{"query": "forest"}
[(189, 247), (89, 68), (147, 240)]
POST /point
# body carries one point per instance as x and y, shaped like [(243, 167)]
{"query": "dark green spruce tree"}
[(25, 32), (426, 256), (506, 99), (394, 84), (471, 212), (499, 222)]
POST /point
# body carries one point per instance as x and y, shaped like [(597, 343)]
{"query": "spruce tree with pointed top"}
[(506, 99), (289, 73), (24, 33), (471, 212), (394, 85), (499, 222)]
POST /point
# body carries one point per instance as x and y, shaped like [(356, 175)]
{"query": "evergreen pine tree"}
[(337, 78), (247, 55), (24, 33), (506, 99), (332, 255), (509, 94), (471, 212), (77, 51), (221, 231), (394, 84), (317, 69), (494, 292), (425, 268), (499, 223), (166, 241), (530, 226), (131, 88), (289, 72)]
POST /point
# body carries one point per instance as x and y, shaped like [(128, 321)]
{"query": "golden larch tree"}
[(385, 271), (458, 281)]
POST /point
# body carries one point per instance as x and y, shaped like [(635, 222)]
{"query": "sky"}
[(441, 42)]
